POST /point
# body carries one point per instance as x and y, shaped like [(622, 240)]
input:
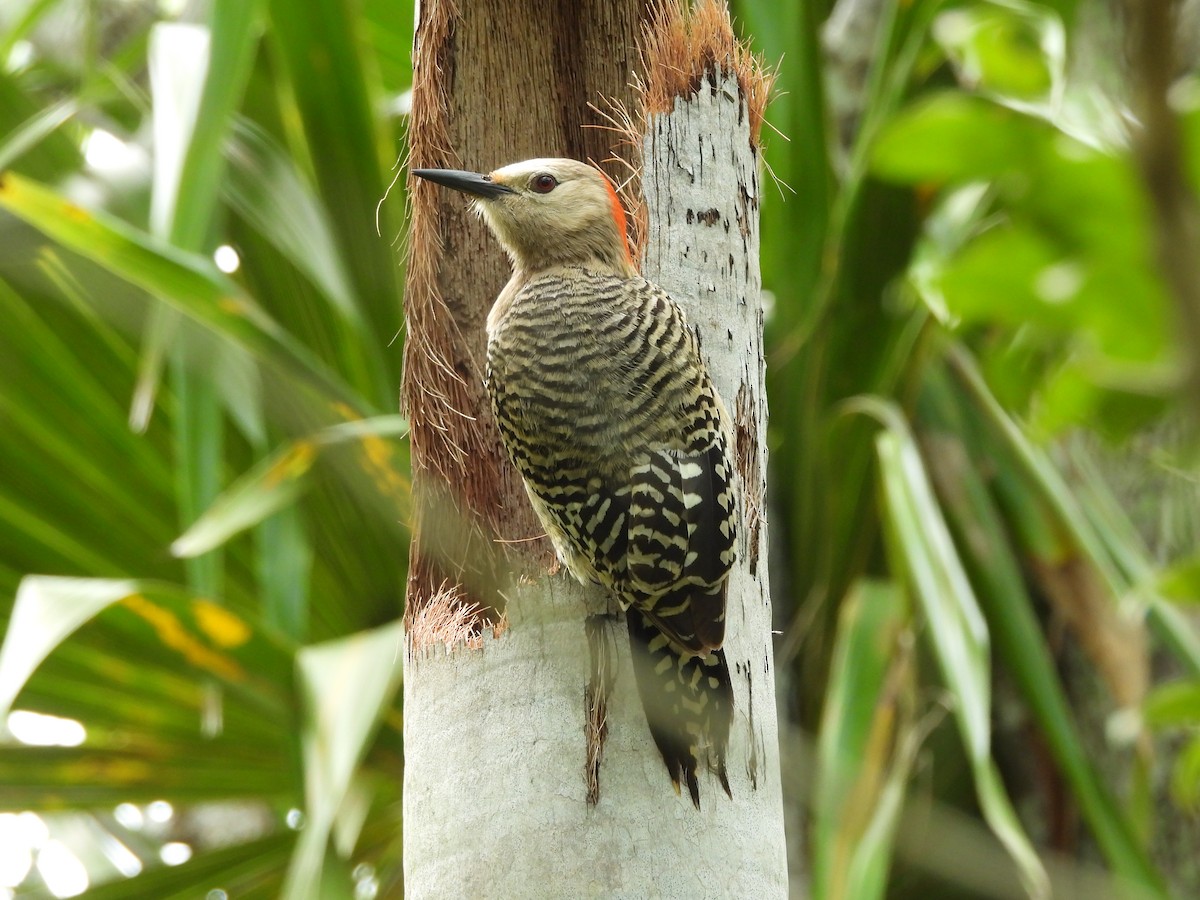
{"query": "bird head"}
[(548, 212)]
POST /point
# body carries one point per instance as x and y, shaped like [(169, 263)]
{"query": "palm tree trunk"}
[(529, 767)]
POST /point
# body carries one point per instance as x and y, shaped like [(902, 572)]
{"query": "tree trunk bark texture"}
[(493, 83), (529, 766)]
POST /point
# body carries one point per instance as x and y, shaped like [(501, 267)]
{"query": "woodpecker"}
[(606, 409)]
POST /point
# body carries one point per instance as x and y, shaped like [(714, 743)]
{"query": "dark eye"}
[(544, 183)]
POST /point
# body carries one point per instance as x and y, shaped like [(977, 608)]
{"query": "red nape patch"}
[(618, 212)]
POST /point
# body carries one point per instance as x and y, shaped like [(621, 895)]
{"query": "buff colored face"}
[(548, 212)]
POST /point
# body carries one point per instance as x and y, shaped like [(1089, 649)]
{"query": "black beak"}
[(467, 182)]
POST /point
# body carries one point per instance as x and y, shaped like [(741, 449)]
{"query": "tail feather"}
[(688, 702)]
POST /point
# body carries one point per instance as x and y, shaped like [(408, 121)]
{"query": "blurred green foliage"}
[(228, 438)]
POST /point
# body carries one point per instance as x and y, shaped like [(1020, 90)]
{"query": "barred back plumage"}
[(613, 422)]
